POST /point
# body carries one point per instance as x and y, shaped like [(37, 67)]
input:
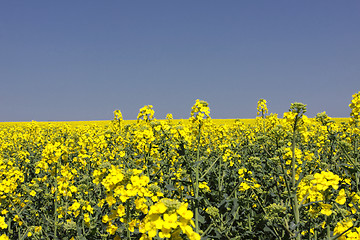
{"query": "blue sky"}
[(81, 60)]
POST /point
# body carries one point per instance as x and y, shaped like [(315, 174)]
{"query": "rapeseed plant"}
[(275, 178)]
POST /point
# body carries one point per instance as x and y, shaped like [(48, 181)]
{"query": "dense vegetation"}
[(279, 178)]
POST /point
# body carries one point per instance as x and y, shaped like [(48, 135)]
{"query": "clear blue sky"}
[(81, 60)]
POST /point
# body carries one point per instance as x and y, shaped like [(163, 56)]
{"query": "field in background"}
[(198, 178), (108, 122)]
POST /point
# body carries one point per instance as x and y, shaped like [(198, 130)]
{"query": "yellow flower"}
[(105, 219), (261, 107), (117, 115), (190, 233), (110, 200), (165, 233), (120, 211), (3, 225), (170, 221), (326, 209), (33, 193), (101, 203), (199, 111), (4, 237), (341, 199), (243, 186), (355, 106), (73, 189), (75, 206), (89, 209), (87, 218), (16, 218), (132, 225), (203, 185), (140, 204), (343, 226), (157, 221), (111, 229), (158, 208), (183, 212)]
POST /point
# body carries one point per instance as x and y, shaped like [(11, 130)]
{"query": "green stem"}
[(206, 172), (146, 163), (249, 218), (293, 180), (355, 156), (127, 219), (55, 203), (207, 230), (197, 183), (219, 178), (82, 223), (328, 235), (263, 119)]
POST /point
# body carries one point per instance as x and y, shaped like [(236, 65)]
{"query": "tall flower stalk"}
[(298, 109), (199, 112)]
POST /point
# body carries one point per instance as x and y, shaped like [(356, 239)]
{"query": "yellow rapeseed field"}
[(292, 177)]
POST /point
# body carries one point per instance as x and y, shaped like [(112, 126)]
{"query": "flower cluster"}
[(146, 113), (199, 111), (344, 226), (247, 181), (169, 219), (355, 106), (262, 107), (118, 115), (314, 189)]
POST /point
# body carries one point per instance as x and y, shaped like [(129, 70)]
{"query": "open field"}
[(108, 122), (200, 178)]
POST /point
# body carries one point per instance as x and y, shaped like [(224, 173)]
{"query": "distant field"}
[(107, 122)]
